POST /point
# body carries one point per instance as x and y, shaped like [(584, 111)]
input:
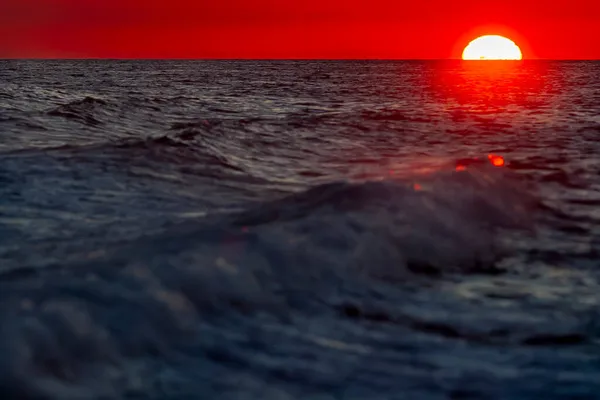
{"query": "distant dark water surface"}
[(283, 230)]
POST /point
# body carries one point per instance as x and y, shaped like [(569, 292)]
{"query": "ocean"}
[(299, 230)]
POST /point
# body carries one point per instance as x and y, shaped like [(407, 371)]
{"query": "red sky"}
[(556, 29)]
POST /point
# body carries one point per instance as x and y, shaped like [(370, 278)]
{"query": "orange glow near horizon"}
[(492, 47)]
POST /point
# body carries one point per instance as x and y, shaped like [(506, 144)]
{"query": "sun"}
[(492, 47)]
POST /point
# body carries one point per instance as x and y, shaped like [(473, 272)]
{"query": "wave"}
[(177, 158), (442, 222), (83, 110), (294, 253)]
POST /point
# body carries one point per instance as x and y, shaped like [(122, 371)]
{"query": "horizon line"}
[(272, 59)]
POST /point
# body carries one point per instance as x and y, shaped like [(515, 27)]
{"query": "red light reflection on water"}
[(497, 161), (494, 159), (482, 97)]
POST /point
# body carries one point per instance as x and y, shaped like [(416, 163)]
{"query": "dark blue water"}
[(299, 230)]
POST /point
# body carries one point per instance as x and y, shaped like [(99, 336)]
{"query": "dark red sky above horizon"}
[(561, 29)]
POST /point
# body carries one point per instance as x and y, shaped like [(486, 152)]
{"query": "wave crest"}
[(83, 110)]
